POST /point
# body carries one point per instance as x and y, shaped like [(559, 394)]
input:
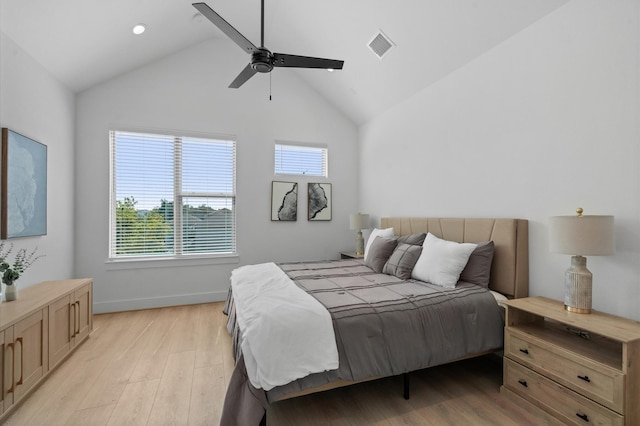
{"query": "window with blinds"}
[(171, 195), (305, 160)]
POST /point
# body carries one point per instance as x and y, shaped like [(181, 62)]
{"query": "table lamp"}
[(358, 222), (580, 236)]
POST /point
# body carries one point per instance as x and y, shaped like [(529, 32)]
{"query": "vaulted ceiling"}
[(85, 42)]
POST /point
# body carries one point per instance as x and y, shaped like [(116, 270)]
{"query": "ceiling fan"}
[(262, 60)]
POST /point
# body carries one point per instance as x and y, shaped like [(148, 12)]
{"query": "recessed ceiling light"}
[(139, 29)]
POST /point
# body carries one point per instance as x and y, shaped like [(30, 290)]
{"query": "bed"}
[(385, 325)]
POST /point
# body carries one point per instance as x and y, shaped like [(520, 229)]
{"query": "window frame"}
[(178, 197)]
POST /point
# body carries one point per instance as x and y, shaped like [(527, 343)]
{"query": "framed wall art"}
[(23, 187), (284, 201), (319, 201)]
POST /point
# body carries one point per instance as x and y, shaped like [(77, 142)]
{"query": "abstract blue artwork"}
[(23, 195)]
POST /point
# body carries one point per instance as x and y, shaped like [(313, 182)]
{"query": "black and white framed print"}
[(284, 201), (319, 201)]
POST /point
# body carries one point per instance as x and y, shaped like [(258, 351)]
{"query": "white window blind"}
[(301, 160), (171, 195)]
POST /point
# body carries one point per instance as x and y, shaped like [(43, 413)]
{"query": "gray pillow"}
[(379, 253), (478, 269), (413, 239), (402, 260)]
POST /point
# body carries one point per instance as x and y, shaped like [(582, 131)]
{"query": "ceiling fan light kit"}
[(262, 60)]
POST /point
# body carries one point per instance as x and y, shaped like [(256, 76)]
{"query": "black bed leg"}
[(405, 376)]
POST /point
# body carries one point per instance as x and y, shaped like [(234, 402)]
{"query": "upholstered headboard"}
[(510, 268)]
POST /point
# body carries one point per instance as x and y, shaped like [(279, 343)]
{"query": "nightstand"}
[(350, 255), (580, 368)]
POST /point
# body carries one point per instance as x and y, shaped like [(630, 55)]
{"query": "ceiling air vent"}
[(380, 44)]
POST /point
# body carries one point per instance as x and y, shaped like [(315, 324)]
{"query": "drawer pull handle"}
[(525, 351), (20, 382), (583, 417), (523, 383), (13, 366), (585, 378)]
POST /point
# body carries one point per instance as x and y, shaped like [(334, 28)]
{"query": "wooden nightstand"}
[(580, 368), (350, 255)]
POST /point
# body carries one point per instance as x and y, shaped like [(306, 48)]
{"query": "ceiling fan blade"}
[(225, 27), (244, 75), (284, 60)]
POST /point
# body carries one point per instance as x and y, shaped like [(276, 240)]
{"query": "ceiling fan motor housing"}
[(262, 60)]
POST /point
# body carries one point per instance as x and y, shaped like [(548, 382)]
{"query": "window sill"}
[(171, 262)]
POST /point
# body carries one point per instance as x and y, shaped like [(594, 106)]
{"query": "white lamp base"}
[(359, 244), (577, 286)]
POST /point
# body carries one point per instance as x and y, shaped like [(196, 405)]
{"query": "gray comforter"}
[(384, 326)]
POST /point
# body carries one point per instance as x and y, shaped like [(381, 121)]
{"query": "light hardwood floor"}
[(170, 366)]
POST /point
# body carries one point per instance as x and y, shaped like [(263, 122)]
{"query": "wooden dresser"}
[(580, 368), (38, 331)]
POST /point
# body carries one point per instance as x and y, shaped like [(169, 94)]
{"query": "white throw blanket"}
[(286, 333)]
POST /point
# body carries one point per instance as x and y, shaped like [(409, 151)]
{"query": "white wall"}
[(544, 123), (35, 104), (188, 91)]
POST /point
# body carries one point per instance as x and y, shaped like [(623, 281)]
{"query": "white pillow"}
[(385, 233), (441, 261)]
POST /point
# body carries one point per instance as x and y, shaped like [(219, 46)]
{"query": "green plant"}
[(11, 272)]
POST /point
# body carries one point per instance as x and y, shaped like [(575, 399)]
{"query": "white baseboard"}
[(157, 302)]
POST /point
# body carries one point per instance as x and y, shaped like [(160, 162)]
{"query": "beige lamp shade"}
[(582, 235), (358, 221)]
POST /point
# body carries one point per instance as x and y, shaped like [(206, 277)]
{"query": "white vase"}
[(11, 292)]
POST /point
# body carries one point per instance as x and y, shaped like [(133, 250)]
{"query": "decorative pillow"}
[(414, 239), (478, 269), (379, 253), (402, 260), (441, 261), (387, 233)]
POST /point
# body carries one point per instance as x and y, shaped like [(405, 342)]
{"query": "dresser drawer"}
[(596, 381), (570, 406)]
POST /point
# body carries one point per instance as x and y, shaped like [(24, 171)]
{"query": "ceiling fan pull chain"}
[(269, 86)]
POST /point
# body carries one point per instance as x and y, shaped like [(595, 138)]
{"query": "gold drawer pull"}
[(19, 382), (77, 310), (583, 417), (523, 383), (13, 366), (525, 351), (585, 378)]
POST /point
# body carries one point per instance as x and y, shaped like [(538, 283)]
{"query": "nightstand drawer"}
[(572, 407), (596, 381)]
